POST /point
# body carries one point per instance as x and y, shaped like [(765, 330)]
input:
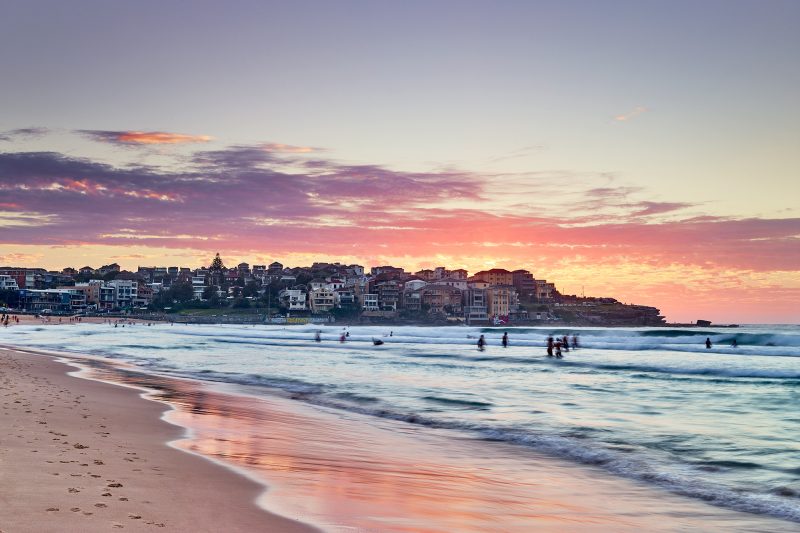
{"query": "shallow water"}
[(651, 405)]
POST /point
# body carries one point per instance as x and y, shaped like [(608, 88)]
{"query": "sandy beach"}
[(80, 455)]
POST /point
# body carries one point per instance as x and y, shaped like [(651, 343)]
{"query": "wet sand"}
[(339, 471), (81, 455)]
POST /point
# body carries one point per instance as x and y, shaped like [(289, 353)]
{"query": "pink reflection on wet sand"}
[(344, 471)]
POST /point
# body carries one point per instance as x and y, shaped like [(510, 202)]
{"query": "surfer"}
[(317, 337), (734, 344), (505, 339), (708, 343), (481, 343)]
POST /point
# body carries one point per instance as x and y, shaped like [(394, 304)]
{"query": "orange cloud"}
[(160, 137), (144, 137)]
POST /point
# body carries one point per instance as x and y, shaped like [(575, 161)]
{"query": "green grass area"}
[(220, 312)]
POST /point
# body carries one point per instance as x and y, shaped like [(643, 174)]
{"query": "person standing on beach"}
[(505, 339), (708, 343), (481, 343)]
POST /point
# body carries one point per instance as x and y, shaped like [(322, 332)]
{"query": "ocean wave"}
[(456, 402)]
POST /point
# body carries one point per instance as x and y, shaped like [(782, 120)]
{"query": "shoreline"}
[(335, 468), (83, 455)]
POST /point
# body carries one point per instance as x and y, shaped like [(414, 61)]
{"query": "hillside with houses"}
[(322, 292)]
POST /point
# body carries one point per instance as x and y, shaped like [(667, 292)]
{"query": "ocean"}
[(653, 405)]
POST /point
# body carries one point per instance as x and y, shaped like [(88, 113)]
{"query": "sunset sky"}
[(648, 151)]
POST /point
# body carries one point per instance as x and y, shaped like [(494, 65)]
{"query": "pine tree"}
[(216, 264)]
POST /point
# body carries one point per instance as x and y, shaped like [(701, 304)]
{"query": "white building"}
[(198, 286), (7, 283), (415, 284), (369, 302), (460, 284), (125, 292), (293, 299)]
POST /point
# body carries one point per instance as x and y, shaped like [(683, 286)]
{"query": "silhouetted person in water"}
[(481, 343), (317, 337), (565, 343), (734, 344), (708, 343), (558, 349), (505, 340), (550, 346), (574, 341)]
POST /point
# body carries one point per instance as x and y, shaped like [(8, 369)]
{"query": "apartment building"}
[(321, 300)]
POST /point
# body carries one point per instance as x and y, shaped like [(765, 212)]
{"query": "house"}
[(321, 300), (59, 301), (198, 286), (390, 270), (544, 291), (442, 299), (460, 284), (369, 302), (459, 273), (345, 298), (293, 299), (388, 292), (425, 274), (524, 283), (496, 276), (106, 269), (475, 305), (501, 300)]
